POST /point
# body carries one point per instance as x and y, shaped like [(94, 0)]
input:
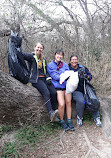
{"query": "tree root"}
[(92, 148)]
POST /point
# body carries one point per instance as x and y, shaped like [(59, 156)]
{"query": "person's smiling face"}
[(38, 48), (74, 62), (58, 57)]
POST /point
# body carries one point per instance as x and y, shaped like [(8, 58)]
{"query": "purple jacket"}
[(55, 73)]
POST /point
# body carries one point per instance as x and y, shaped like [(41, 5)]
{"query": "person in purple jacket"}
[(55, 69)]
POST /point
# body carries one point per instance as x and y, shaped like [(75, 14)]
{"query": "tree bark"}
[(106, 116), (19, 103)]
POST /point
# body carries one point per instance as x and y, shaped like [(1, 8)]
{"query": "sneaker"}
[(98, 122), (57, 119), (64, 125), (79, 121), (70, 125), (54, 115)]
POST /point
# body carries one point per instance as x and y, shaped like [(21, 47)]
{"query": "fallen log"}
[(19, 103)]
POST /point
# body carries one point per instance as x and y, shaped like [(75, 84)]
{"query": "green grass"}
[(6, 128), (28, 135), (88, 118)]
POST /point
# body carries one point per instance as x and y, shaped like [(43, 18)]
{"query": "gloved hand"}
[(81, 73), (85, 76), (67, 78), (48, 80), (17, 40)]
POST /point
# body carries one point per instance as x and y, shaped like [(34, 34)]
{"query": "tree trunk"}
[(106, 116), (19, 103)]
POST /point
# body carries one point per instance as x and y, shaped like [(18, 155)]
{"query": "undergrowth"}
[(88, 118), (27, 136)]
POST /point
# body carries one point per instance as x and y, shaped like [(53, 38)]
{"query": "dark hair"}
[(59, 51), (71, 58)]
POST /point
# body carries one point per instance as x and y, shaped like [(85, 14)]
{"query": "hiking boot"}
[(64, 125), (98, 122), (54, 115), (79, 121), (70, 125)]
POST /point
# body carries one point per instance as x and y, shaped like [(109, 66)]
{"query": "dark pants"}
[(48, 92), (79, 98)]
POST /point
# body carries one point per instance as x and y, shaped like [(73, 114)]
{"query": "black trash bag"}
[(17, 65), (92, 103)]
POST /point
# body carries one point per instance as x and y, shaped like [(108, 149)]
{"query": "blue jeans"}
[(78, 97), (48, 92)]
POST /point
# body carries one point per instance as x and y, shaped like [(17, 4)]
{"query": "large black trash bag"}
[(17, 66), (92, 103)]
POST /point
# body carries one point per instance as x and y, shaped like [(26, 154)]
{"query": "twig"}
[(87, 155), (89, 145)]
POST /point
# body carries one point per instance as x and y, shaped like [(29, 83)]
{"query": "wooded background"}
[(81, 27)]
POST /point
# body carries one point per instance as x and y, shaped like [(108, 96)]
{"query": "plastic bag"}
[(92, 103), (72, 80), (17, 66)]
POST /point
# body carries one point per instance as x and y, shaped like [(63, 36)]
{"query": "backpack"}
[(92, 103), (16, 63)]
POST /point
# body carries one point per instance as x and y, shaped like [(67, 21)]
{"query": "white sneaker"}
[(79, 121), (57, 119), (54, 115), (98, 122)]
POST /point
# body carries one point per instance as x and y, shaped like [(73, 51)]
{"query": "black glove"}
[(81, 73), (17, 40), (67, 78), (85, 76), (48, 80)]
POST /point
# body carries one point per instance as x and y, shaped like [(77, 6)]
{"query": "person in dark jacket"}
[(78, 94), (55, 69), (41, 80)]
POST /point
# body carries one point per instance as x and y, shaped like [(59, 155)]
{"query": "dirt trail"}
[(85, 142)]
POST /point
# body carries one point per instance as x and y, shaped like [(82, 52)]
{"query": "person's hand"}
[(67, 78), (81, 73), (48, 80), (85, 76)]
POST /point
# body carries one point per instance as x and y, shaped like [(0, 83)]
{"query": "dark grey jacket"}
[(33, 66)]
